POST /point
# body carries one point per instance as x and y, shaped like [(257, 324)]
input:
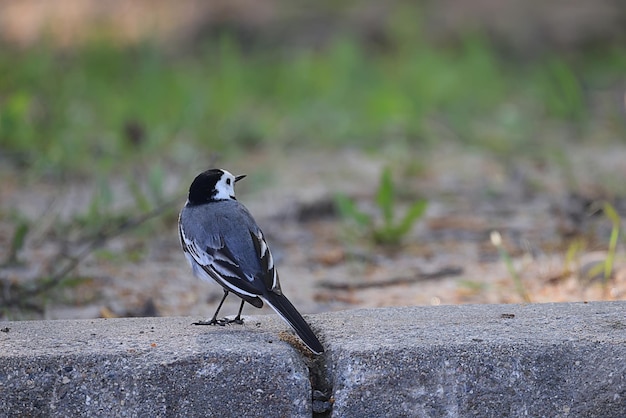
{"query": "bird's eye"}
[(228, 181)]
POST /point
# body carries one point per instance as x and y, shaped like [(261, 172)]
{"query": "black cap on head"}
[(202, 189)]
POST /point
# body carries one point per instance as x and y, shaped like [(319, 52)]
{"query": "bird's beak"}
[(239, 177)]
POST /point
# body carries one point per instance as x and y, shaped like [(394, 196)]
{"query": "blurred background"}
[(398, 153)]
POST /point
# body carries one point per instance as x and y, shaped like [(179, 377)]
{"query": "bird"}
[(222, 242)]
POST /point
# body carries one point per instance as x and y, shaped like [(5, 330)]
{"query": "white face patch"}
[(225, 187)]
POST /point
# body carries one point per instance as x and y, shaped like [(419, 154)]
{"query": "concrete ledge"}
[(480, 360), (551, 360), (149, 367)]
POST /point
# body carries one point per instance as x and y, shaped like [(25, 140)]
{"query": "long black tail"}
[(288, 312)]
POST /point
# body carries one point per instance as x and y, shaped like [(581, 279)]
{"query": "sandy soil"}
[(448, 258)]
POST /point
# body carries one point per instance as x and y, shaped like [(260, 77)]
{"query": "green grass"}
[(67, 111), (393, 228)]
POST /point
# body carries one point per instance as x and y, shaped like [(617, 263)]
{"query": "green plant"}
[(605, 268), (17, 243), (561, 90), (496, 240), (391, 231), (611, 213), (572, 255)]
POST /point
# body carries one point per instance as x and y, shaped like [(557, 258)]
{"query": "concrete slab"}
[(552, 360), (149, 367)]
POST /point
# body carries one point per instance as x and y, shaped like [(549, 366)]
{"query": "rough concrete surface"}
[(149, 367), (552, 360)]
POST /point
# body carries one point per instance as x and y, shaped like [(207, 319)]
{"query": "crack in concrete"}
[(321, 385)]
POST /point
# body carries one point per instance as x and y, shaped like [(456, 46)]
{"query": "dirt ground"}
[(543, 212)]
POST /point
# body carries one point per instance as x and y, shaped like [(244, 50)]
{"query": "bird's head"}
[(213, 185)]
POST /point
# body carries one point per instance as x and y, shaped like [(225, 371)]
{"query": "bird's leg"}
[(214, 320), (238, 319)]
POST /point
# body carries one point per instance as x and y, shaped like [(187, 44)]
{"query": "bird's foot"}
[(213, 321), (221, 322)]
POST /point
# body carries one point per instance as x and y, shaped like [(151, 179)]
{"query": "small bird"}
[(222, 241)]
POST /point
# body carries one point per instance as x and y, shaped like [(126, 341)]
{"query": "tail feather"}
[(288, 312)]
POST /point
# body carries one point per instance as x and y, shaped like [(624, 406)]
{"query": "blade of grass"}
[(614, 217), (415, 212), (496, 240), (384, 197), (348, 210), (19, 236)]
